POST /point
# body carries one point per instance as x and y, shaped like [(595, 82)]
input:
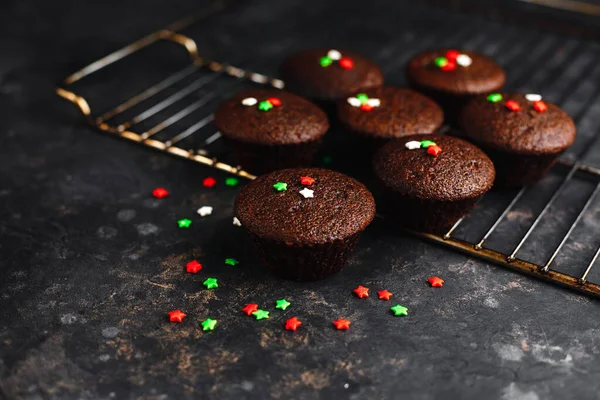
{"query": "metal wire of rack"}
[(174, 115)]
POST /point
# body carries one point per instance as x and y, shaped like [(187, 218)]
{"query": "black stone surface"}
[(91, 263)]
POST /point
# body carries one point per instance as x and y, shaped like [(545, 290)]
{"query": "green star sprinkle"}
[(211, 283), (325, 61), (184, 223), (282, 304), (231, 261), (441, 61), (265, 105), (426, 143), (261, 314), (327, 160), (399, 311), (231, 181), (209, 324), (280, 186), (362, 97), (494, 97)]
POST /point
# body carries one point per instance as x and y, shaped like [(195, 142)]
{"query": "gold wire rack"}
[(184, 102)]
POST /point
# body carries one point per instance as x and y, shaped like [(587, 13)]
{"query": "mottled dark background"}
[(91, 263)]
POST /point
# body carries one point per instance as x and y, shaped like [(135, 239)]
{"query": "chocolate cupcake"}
[(326, 76), (271, 129), (304, 221), (385, 113), (523, 134), (431, 181), (453, 77)]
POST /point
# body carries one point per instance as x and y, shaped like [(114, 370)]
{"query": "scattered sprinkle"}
[(282, 304), (494, 98), (452, 55), (436, 281), (176, 316), (250, 309), (540, 106), (231, 181), (426, 143), (341, 324), (361, 291), (193, 267), (231, 261), (209, 182), (434, 150), (346, 63), (275, 102), (249, 101), (512, 105), (204, 211), (184, 223), (292, 324), (334, 55), (533, 97), (464, 60), (364, 102), (384, 295), (265, 106), (325, 61), (307, 180), (211, 283), (399, 311), (413, 145), (280, 186), (260, 314), (306, 192), (160, 193), (209, 324), (236, 221)]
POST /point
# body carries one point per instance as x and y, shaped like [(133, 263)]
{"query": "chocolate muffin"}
[(271, 129), (430, 181), (326, 76), (523, 134), (453, 77), (385, 113), (304, 221)]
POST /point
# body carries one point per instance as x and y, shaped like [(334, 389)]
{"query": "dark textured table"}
[(91, 263)]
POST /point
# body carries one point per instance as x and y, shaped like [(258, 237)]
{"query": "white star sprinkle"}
[(236, 222), (249, 101), (306, 192), (204, 211), (354, 102), (464, 60), (374, 102), (413, 144), (334, 55), (533, 97)]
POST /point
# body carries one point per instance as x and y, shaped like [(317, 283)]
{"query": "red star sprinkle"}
[(274, 101), (512, 105), (346, 63), (341, 324), (435, 281), (193, 267), (176, 316), (159, 193), (540, 106), (209, 182), (384, 295), (292, 324), (361, 291), (250, 308), (450, 66), (307, 180), (452, 55), (434, 150), (366, 107)]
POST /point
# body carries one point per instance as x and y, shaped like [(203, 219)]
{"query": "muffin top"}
[(389, 112), (270, 117), (456, 72), (305, 205), (326, 74), (410, 167), (517, 123)]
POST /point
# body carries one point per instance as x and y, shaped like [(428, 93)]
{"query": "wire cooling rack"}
[(549, 230)]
